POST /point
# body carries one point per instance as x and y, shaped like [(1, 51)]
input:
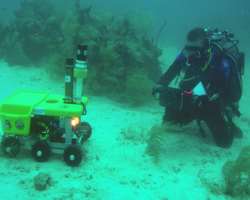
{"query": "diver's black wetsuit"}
[(215, 79)]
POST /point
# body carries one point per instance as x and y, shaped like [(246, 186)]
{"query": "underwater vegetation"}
[(156, 141), (123, 59), (31, 35), (237, 175)]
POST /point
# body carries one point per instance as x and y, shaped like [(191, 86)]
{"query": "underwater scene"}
[(124, 100)]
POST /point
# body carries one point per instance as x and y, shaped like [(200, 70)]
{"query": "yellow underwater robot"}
[(45, 122)]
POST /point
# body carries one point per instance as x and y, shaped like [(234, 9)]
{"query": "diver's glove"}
[(214, 97), (157, 89)]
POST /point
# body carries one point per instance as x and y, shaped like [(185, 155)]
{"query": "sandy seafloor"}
[(117, 167)]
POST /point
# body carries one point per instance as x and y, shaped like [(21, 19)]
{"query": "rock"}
[(42, 181)]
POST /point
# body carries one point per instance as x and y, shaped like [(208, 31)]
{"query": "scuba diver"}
[(204, 83)]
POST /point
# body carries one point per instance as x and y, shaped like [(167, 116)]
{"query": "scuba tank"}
[(227, 45)]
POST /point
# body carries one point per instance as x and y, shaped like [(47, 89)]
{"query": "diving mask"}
[(194, 53)]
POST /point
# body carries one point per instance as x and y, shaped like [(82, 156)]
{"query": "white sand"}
[(117, 167)]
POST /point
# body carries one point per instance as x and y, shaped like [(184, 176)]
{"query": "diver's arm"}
[(220, 90), (172, 71)]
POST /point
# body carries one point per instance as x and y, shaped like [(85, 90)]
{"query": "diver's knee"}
[(225, 142)]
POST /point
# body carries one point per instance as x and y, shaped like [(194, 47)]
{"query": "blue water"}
[(181, 15)]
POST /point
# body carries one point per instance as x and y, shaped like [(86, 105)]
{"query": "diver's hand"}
[(156, 90), (214, 97)]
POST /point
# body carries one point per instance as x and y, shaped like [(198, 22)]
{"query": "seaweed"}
[(137, 88), (11, 48), (38, 29), (155, 142)]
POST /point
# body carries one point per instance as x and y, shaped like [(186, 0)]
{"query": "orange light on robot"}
[(75, 121)]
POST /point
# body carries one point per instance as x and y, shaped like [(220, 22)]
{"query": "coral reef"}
[(237, 175), (123, 60)]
